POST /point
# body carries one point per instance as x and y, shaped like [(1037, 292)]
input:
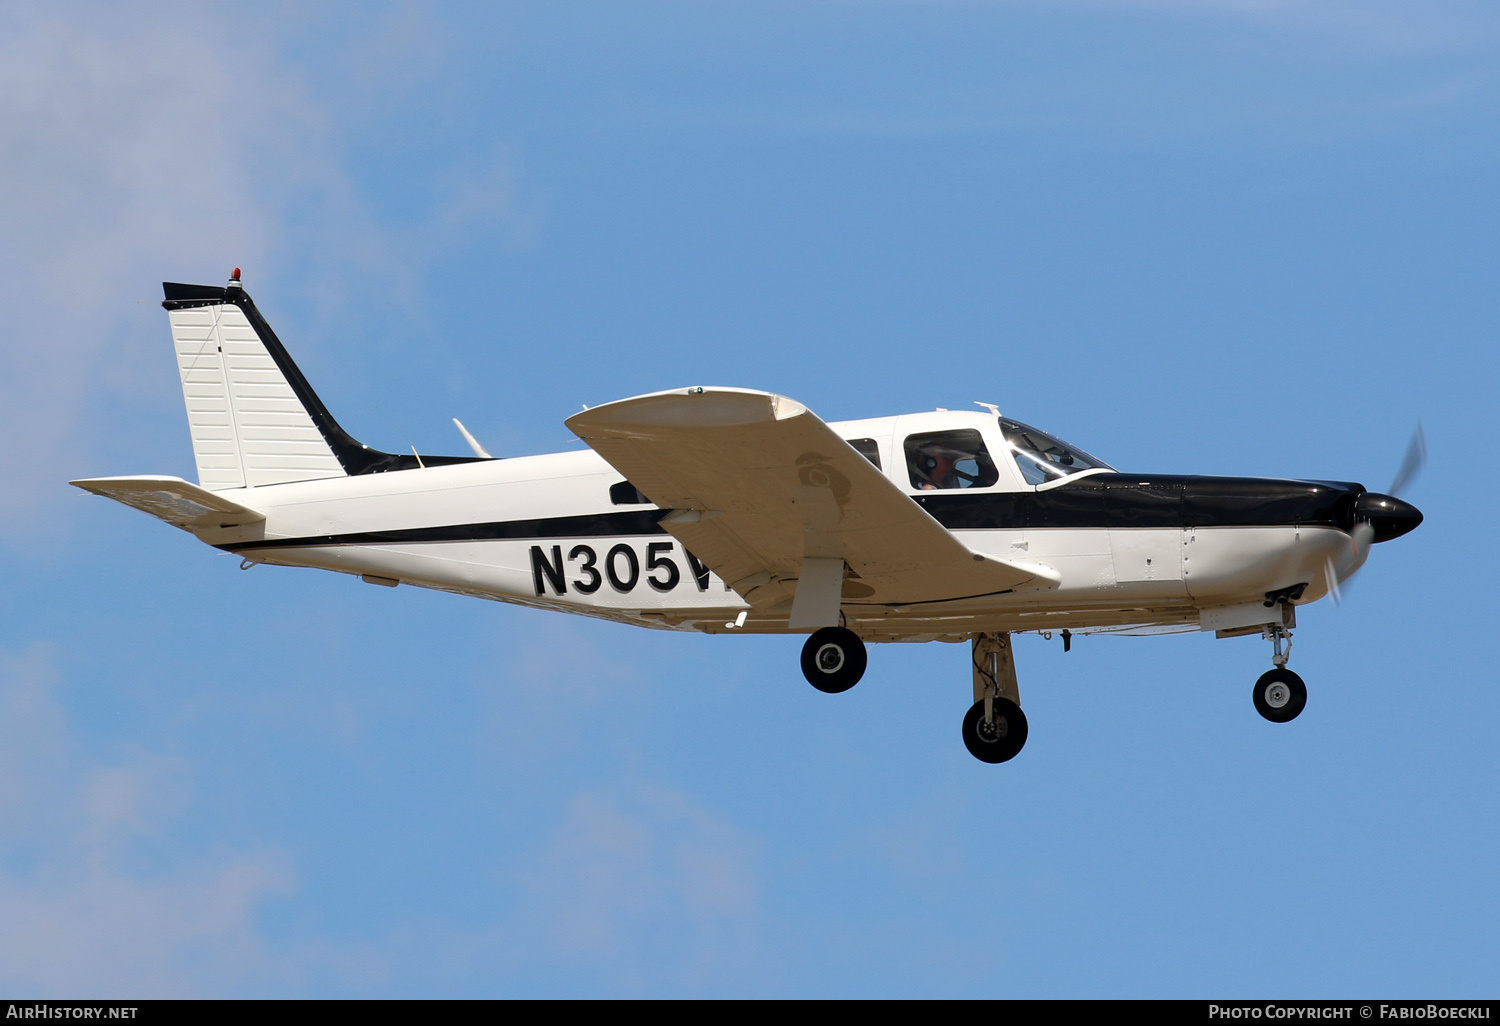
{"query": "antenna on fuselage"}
[(473, 444), (988, 406)]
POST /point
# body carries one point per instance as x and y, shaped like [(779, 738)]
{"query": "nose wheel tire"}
[(999, 740), (833, 660), (1280, 695)]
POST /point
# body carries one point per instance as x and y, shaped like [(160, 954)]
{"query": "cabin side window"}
[(627, 494), (868, 448), (941, 460)]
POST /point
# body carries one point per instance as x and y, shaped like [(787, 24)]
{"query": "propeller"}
[(1411, 464), (1338, 570)]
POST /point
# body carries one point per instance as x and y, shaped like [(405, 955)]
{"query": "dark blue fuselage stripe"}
[(592, 525)]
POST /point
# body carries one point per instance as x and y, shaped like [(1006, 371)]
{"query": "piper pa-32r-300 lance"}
[(729, 510)]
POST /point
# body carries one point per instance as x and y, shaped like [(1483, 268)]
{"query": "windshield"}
[(1042, 457)]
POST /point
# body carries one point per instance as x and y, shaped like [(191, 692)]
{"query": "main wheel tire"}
[(1280, 695), (1000, 742), (833, 660)]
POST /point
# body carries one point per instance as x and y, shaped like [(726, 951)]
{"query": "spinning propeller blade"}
[(1340, 569), (1411, 464)]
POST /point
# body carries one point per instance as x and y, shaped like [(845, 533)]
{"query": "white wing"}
[(776, 503)]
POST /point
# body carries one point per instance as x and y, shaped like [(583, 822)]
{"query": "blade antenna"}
[(473, 444)]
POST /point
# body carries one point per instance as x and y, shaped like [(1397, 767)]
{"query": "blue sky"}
[(1230, 237)]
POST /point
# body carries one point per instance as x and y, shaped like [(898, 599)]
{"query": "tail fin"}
[(254, 419)]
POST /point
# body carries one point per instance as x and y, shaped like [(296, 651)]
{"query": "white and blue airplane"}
[(727, 510)]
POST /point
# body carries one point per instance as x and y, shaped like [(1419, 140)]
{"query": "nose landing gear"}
[(1279, 693), (998, 737)]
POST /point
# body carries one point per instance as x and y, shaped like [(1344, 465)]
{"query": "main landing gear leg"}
[(1280, 694), (995, 727)]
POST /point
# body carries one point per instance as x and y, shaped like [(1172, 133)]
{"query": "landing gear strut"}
[(1280, 694), (833, 659), (995, 727)]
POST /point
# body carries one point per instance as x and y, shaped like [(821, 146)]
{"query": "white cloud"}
[(78, 912), (173, 142), (137, 144), (651, 889), (120, 150)]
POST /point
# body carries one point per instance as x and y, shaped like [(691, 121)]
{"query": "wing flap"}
[(174, 500), (758, 483)]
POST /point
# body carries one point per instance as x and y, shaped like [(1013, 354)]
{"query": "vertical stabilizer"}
[(254, 418), (249, 428)]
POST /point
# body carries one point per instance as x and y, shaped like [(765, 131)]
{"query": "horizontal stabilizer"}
[(174, 500)]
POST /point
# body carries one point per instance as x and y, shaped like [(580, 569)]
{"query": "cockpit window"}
[(1042, 457), (949, 459)]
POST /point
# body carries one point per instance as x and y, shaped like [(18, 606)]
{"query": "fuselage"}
[(564, 531)]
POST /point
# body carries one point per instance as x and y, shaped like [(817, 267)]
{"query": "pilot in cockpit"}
[(936, 467), (947, 460)]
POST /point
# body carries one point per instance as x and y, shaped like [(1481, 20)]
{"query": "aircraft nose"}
[(1391, 517)]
